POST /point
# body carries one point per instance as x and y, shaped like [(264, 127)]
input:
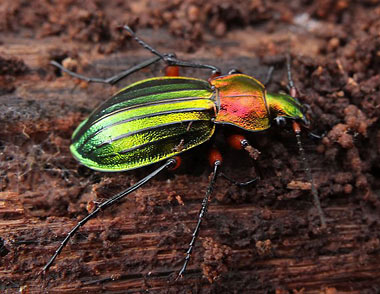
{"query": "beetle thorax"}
[(241, 102)]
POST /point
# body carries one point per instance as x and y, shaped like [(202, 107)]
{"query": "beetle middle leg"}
[(239, 142), (217, 161)]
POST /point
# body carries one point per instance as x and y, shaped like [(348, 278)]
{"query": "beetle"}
[(158, 118)]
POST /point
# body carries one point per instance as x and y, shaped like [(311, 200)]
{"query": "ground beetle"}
[(158, 118)]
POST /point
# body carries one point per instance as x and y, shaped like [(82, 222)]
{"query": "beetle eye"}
[(280, 120)]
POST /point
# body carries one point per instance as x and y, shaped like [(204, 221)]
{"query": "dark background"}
[(263, 238)]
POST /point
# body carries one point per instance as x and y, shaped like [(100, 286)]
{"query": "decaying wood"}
[(256, 239)]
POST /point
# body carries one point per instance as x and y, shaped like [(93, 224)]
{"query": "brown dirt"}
[(263, 238)]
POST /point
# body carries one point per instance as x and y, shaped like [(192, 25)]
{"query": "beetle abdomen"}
[(146, 122)]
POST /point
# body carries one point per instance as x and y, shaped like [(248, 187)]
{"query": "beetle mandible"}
[(158, 118)]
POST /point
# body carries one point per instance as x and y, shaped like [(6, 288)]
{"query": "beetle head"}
[(283, 107)]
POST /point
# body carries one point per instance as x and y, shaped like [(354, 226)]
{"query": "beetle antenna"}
[(297, 131), (103, 206), (292, 88)]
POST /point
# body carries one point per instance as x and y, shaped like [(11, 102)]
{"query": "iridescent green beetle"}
[(158, 118)]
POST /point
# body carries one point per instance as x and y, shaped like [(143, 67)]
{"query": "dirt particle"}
[(356, 119), (213, 264), (339, 134), (264, 247), (347, 189), (12, 66), (330, 291), (220, 29), (299, 185), (193, 13), (333, 44), (70, 64), (361, 182), (343, 177), (346, 140)]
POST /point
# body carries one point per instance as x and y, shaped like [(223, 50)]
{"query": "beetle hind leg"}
[(169, 58), (169, 163), (111, 80)]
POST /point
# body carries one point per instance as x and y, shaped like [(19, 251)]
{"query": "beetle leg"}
[(170, 58), (104, 205), (201, 215), (239, 184), (269, 76), (174, 61), (234, 71), (316, 136), (297, 131), (239, 142), (314, 192), (111, 80), (172, 71)]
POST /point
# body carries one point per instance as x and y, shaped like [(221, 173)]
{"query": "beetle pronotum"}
[(158, 118)]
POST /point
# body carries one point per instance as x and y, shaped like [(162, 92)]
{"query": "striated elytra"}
[(158, 118)]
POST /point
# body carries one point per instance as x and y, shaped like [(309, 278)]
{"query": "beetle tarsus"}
[(316, 136), (239, 184)]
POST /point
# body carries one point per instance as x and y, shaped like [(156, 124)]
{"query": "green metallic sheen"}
[(282, 105), (146, 122), (158, 118)]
